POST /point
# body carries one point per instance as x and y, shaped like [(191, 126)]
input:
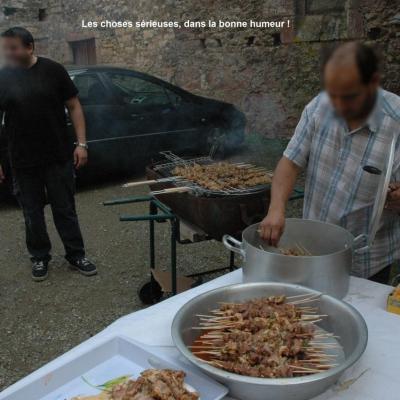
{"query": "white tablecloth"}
[(375, 376)]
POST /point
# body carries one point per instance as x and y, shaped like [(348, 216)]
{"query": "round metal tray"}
[(343, 320)]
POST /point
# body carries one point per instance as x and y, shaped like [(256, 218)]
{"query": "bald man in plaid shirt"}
[(345, 127)]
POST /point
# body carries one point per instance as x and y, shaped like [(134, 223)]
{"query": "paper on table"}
[(112, 368)]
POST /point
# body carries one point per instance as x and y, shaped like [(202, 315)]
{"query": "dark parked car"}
[(132, 116)]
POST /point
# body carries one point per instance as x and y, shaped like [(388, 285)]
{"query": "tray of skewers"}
[(119, 368), (270, 340)]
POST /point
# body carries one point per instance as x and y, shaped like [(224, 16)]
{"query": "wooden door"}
[(84, 52)]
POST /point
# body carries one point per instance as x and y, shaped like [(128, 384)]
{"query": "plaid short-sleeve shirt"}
[(337, 189)]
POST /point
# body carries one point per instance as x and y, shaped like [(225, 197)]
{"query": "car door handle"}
[(138, 116)]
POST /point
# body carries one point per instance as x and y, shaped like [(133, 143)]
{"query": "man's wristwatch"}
[(83, 145)]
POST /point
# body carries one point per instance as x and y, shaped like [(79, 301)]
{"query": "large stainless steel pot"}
[(332, 247), (343, 320), (327, 270)]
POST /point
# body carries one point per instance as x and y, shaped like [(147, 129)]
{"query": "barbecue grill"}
[(215, 212), (210, 214)]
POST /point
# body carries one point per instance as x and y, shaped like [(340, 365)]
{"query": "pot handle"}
[(357, 242), (234, 245)]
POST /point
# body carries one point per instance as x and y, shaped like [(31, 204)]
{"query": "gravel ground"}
[(40, 321)]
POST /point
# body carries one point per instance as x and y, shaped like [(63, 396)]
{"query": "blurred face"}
[(15, 53), (350, 97)]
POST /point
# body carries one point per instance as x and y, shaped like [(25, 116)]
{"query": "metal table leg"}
[(232, 266), (174, 224)]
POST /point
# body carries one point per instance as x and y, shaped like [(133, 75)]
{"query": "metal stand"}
[(151, 292)]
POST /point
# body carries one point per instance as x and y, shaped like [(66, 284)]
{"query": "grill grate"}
[(166, 170)]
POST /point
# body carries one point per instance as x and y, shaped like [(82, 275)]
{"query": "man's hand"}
[(393, 197), (80, 157), (78, 121), (272, 227), (2, 176)]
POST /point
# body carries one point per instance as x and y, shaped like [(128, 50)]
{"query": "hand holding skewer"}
[(272, 227)]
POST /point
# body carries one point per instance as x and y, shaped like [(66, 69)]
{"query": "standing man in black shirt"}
[(34, 92)]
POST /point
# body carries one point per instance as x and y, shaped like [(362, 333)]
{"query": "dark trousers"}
[(382, 276), (55, 184)]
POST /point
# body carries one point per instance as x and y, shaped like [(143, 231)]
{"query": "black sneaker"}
[(84, 266), (40, 270)]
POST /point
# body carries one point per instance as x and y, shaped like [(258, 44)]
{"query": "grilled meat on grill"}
[(223, 176)]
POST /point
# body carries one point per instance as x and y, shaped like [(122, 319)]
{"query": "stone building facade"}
[(268, 73)]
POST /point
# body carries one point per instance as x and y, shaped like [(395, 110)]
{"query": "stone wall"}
[(269, 74)]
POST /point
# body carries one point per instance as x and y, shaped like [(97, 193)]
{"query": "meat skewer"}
[(267, 337)]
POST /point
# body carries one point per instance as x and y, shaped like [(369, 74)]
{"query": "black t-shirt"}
[(32, 100)]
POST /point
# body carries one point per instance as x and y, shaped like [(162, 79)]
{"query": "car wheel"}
[(150, 293)]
